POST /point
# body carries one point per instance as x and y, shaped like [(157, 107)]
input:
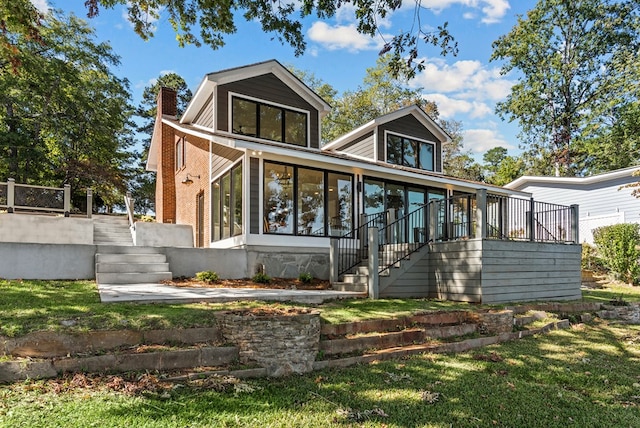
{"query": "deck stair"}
[(118, 264), (413, 267)]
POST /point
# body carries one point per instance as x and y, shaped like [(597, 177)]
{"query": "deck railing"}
[(39, 198), (478, 215)]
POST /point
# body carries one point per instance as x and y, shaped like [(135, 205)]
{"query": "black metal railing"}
[(399, 239), (456, 218), (552, 223), (353, 246)]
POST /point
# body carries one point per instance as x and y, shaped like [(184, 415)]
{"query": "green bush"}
[(618, 249), (305, 278), (207, 276), (591, 260), (261, 278)]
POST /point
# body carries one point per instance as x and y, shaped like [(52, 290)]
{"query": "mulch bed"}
[(275, 283)]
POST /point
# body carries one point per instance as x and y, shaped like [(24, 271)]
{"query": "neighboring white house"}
[(603, 198)]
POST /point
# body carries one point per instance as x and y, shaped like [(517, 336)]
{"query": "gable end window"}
[(410, 152), (269, 122), (180, 153)]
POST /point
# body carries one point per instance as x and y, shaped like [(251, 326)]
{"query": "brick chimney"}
[(167, 102)]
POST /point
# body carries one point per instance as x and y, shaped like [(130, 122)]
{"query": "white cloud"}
[(463, 79), (451, 108), (41, 5), (492, 10), (342, 37), (481, 140)]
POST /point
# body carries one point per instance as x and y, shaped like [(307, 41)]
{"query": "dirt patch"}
[(276, 283)]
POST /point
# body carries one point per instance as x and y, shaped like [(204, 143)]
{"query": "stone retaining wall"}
[(282, 343)]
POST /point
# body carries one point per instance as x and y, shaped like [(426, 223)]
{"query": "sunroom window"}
[(306, 201), (410, 152), (269, 122)]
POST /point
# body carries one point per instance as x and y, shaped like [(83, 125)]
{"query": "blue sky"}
[(466, 87)]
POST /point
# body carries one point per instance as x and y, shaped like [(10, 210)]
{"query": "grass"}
[(586, 376), (28, 306)]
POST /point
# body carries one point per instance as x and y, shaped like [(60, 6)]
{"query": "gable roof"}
[(413, 110), (526, 180), (229, 75)]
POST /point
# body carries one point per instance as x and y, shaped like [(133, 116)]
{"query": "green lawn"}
[(588, 376), (27, 306)]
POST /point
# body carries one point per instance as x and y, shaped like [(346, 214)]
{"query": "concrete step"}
[(132, 277), (355, 278), (347, 286), (110, 228), (131, 258), (131, 267), (117, 249), (112, 234)]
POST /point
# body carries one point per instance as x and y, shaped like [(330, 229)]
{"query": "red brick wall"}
[(186, 196), (177, 202)]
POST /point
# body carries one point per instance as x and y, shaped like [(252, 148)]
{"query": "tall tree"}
[(615, 145), (64, 117), (380, 93), (577, 60), (144, 183)]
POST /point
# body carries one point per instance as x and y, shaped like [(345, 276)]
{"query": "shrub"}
[(207, 276), (591, 260), (305, 278), (618, 248), (261, 278)]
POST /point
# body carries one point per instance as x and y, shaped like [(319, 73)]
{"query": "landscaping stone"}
[(629, 314), (495, 322), (283, 343)]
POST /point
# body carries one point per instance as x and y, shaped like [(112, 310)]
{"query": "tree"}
[(64, 118), (500, 168), (18, 18), (144, 184), (577, 60), (380, 94), (615, 145), (216, 20)]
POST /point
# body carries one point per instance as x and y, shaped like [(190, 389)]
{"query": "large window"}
[(409, 152), (305, 201), (270, 122), (226, 204)]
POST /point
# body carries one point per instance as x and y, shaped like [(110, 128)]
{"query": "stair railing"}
[(353, 245), (403, 237)]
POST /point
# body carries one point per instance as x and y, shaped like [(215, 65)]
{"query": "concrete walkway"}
[(160, 293)]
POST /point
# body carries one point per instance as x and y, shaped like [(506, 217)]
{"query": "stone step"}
[(132, 277), (131, 267), (131, 258), (392, 339)]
